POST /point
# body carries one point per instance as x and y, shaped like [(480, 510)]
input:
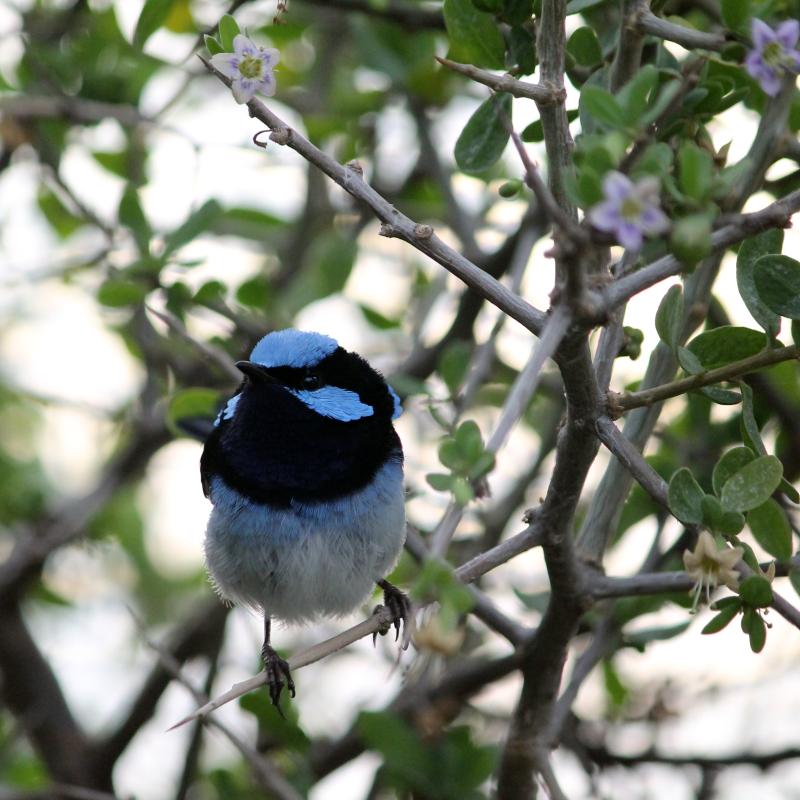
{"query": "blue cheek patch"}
[(228, 411), (333, 402), (292, 348), (398, 406)]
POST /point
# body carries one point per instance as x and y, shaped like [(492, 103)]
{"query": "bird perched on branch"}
[(305, 473)]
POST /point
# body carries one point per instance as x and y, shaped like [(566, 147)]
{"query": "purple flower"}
[(630, 210), (249, 67), (775, 54)]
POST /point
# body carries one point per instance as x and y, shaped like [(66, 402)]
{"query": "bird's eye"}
[(311, 381)]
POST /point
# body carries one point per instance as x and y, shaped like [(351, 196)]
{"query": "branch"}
[(775, 215), (404, 14), (619, 404), (264, 771), (540, 94), (396, 224), (647, 22), (32, 694)]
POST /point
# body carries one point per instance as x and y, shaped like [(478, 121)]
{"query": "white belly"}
[(308, 560)]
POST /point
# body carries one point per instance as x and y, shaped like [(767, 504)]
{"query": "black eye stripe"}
[(311, 381)]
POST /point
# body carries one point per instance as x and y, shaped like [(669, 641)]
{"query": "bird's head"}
[(314, 369)]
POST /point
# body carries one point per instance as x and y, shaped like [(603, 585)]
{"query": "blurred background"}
[(144, 241)]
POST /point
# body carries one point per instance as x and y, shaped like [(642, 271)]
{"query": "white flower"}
[(709, 567), (249, 67)]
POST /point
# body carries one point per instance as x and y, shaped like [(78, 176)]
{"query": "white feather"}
[(309, 560)]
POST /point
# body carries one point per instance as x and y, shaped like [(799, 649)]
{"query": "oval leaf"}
[(752, 485), (771, 529), (728, 465), (685, 497), (750, 251), (669, 317), (777, 280), (474, 35), (485, 135), (726, 344)]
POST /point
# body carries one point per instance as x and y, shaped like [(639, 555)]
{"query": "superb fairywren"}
[(305, 473)]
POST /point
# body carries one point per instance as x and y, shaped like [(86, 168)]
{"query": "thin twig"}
[(396, 224), (541, 95), (620, 403)]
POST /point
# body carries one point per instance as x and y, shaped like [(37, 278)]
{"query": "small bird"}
[(305, 474)]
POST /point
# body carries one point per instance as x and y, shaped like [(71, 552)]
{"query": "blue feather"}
[(333, 402), (292, 348)]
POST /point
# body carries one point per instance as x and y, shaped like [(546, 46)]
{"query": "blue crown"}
[(292, 348)]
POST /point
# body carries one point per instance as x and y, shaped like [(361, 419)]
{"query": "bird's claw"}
[(276, 669), (399, 607)]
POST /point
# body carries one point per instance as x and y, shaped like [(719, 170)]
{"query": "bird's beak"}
[(255, 371)]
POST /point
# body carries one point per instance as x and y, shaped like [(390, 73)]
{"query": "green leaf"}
[(462, 491), (750, 251), (777, 280), (602, 106), (770, 528), (154, 14), (535, 132), (757, 633), (719, 346), (752, 485), (633, 97), (401, 749), (119, 292), (689, 361), (756, 591), (724, 397), (228, 31), (195, 403), (61, 219), (451, 456), (377, 320), (212, 45), (510, 188), (474, 35), (721, 620), (254, 292), (584, 47), (695, 169), (728, 465), (453, 365), (522, 50), (196, 223), (615, 689), (485, 135), (751, 435), (717, 520), (481, 466), (515, 12), (132, 217), (469, 441), (669, 317), (789, 490), (735, 13), (691, 239), (685, 497), (439, 481)]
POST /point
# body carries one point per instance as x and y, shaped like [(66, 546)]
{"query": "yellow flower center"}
[(250, 67), (631, 208)]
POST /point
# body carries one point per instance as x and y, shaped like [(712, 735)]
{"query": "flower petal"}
[(226, 63), (788, 32), (243, 89), (617, 187), (770, 82), (268, 85), (762, 33), (269, 56), (243, 46), (605, 216), (653, 220), (629, 235)]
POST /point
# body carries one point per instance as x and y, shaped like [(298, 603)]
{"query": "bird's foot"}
[(276, 669), (400, 608)]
